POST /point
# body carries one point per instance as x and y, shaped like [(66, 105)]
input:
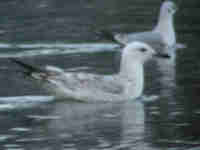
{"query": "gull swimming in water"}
[(127, 84), (162, 36)]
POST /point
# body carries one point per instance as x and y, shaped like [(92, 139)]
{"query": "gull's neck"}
[(165, 27), (131, 73)]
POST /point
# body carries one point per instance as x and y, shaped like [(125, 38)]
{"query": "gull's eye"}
[(143, 49)]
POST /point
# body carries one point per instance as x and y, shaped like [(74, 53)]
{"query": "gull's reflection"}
[(170, 121), (167, 70), (109, 125), (87, 125), (157, 114)]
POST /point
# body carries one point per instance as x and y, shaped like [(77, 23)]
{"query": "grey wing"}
[(152, 38), (92, 82), (110, 84)]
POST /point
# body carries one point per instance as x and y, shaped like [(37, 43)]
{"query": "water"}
[(60, 33)]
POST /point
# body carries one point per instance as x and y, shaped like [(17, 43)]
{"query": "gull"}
[(162, 36), (127, 84)]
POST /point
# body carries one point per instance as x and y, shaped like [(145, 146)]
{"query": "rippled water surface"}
[(61, 33)]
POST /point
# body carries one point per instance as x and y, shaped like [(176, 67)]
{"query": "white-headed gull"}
[(162, 36), (127, 84)]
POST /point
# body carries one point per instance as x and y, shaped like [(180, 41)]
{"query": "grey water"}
[(62, 33)]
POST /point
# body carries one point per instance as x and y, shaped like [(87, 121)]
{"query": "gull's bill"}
[(162, 55)]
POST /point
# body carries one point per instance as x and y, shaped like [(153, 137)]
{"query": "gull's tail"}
[(108, 35), (28, 68), (36, 72)]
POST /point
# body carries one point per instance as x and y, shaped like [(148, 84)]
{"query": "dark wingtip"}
[(105, 34), (28, 67)]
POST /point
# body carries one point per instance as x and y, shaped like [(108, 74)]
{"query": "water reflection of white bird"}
[(127, 84), (105, 125), (162, 36)]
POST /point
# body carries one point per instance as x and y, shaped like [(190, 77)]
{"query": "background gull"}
[(128, 84), (162, 36)]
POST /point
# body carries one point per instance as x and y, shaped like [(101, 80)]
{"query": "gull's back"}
[(105, 83), (152, 38), (87, 86)]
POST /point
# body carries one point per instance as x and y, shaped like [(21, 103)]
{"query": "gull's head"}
[(141, 52), (168, 8)]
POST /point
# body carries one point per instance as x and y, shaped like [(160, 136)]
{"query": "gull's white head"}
[(134, 55), (165, 24), (168, 8), (141, 52)]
